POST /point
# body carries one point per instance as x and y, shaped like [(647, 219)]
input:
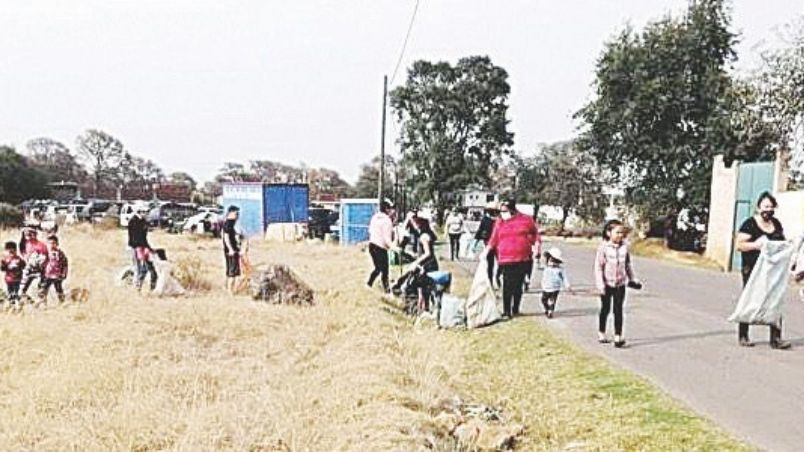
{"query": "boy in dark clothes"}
[(12, 265)]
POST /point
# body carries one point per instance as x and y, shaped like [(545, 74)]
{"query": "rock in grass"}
[(278, 284)]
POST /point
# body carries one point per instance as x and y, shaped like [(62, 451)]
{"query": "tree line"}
[(665, 101)]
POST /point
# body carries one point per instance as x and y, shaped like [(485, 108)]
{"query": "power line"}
[(405, 43)]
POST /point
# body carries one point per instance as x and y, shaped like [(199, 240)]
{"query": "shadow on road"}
[(641, 342)]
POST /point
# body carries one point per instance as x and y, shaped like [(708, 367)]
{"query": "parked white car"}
[(129, 209)]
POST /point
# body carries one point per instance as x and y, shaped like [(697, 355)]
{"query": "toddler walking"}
[(554, 279)]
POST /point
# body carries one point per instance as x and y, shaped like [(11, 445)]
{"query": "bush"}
[(189, 271), (10, 216)]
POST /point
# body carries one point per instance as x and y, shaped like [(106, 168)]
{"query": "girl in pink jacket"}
[(613, 272)]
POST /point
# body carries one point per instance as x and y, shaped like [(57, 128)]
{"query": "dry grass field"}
[(125, 371)]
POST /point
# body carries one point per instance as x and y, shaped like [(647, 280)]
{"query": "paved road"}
[(679, 338)]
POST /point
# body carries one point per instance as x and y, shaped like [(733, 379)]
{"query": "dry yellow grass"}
[(128, 372)]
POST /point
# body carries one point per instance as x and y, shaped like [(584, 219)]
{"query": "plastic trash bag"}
[(481, 306), (166, 284), (762, 299), (453, 313)]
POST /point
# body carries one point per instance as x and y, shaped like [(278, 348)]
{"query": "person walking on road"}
[(754, 231), (483, 234), (512, 238), (381, 239), (231, 248), (455, 226), (613, 272), (554, 279)]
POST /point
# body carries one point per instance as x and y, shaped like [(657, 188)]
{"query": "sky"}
[(192, 84)]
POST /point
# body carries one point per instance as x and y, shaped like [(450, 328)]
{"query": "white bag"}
[(453, 312), (762, 299), (166, 283), (481, 306)]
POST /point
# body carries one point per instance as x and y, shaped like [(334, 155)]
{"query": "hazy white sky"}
[(193, 83)]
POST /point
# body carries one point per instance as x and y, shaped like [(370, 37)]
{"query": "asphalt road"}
[(679, 338)]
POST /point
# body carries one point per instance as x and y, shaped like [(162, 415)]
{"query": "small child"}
[(13, 265), (554, 278), (613, 272), (55, 270)]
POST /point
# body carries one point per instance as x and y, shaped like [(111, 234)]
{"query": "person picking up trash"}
[(554, 279)]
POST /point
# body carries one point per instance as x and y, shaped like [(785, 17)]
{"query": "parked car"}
[(129, 209), (204, 222), (320, 221), (165, 214)]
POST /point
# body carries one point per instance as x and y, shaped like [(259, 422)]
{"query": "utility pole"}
[(382, 141)]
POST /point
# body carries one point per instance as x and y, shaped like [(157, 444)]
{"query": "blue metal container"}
[(285, 203), (248, 197), (355, 217)]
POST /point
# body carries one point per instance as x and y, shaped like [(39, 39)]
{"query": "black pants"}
[(513, 281), (491, 258), (13, 290), (454, 245), (45, 288), (549, 301), (613, 296), (380, 258), (742, 329)]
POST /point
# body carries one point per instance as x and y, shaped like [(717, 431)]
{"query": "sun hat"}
[(555, 254)]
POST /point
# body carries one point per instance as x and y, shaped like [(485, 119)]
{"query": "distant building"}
[(475, 196)]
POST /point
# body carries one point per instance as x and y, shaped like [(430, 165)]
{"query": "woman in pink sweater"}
[(513, 238)]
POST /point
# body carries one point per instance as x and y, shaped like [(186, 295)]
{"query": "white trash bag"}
[(453, 312), (481, 306), (166, 284), (762, 299)]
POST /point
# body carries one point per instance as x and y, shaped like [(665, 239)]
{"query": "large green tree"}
[(665, 105), (454, 125), (19, 178)]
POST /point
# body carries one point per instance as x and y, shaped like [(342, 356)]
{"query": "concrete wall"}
[(720, 231), (791, 212)]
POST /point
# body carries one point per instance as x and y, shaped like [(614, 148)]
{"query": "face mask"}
[(767, 215), (505, 215)]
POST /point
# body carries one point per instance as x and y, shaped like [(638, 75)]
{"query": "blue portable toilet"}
[(285, 203), (355, 217), (248, 197)]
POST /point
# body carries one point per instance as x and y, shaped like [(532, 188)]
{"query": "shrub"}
[(190, 273), (10, 216)]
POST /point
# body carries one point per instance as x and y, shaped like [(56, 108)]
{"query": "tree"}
[(368, 181), (781, 87), (665, 105), (326, 181), (102, 153), (19, 178), (55, 160), (571, 180), (454, 127), (182, 178)]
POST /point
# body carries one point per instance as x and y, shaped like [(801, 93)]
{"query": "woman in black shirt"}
[(753, 233)]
